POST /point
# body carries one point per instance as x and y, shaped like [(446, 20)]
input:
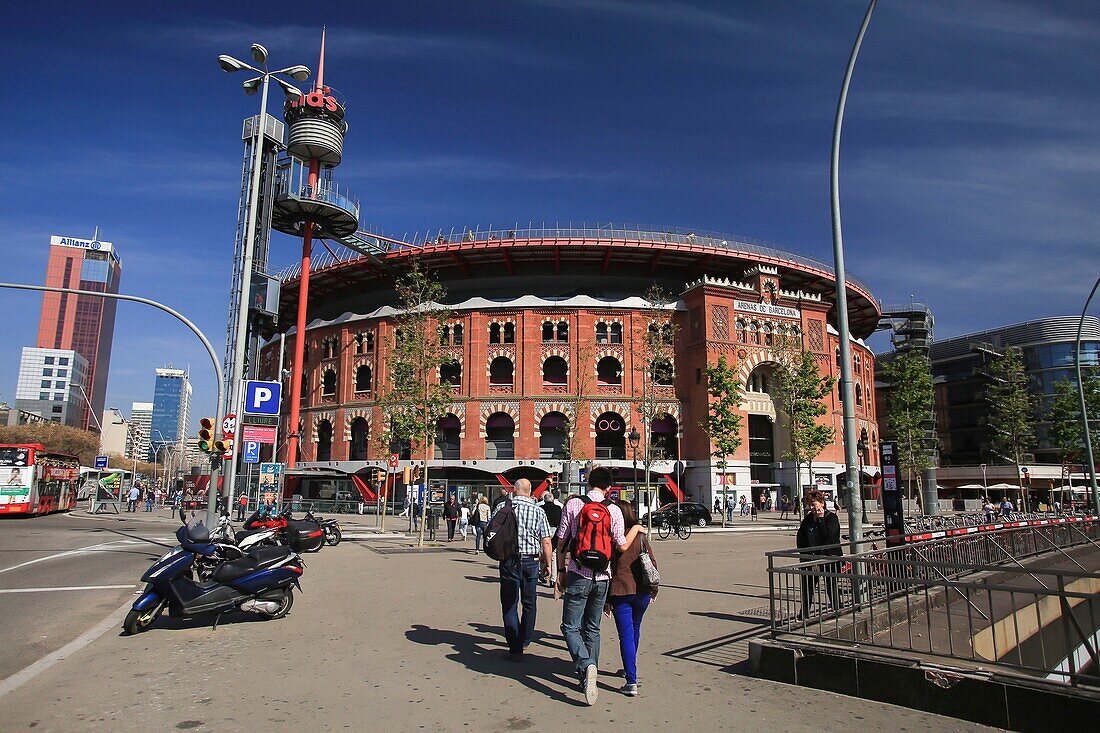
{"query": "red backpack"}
[(592, 544)]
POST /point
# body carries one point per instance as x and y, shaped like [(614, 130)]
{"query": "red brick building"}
[(537, 314)]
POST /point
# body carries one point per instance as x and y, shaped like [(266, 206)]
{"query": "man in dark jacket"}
[(819, 529)]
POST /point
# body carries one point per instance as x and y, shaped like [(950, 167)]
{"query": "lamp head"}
[(297, 73), (292, 92), (633, 437), (252, 86), (230, 64), (259, 53)]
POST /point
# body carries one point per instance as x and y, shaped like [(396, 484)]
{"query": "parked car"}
[(690, 512)]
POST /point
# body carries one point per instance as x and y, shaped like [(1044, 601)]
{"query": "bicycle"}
[(666, 528)]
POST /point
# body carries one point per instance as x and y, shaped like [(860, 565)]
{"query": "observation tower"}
[(308, 203)]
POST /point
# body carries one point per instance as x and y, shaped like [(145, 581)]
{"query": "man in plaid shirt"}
[(584, 590), (519, 574)]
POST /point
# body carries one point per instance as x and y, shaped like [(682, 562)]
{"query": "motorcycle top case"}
[(303, 533)]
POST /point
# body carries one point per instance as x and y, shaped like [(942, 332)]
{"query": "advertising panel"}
[(15, 484)]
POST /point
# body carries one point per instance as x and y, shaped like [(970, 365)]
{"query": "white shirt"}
[(464, 515)]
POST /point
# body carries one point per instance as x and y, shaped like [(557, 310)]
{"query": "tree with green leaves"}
[(910, 400), (657, 356), (723, 422), (83, 444), (1011, 411), (413, 397), (799, 388), (1065, 417)]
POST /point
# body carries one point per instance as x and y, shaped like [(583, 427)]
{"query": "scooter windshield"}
[(195, 539)]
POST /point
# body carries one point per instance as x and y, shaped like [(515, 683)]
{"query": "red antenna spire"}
[(321, 63)]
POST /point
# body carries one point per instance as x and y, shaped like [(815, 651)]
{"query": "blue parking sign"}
[(262, 398), (251, 451)]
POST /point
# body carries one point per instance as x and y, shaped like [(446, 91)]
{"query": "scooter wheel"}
[(333, 536), (138, 621), (284, 605)]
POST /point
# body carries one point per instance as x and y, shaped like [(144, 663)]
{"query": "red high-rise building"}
[(82, 323)]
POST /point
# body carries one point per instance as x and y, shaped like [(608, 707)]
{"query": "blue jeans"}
[(477, 536), (628, 611), (580, 619), (518, 585)]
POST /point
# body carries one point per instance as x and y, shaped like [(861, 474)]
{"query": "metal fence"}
[(969, 597)]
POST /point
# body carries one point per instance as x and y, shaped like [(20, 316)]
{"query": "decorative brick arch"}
[(673, 410), (753, 360), (351, 414), (458, 409), (487, 409), (598, 408), (318, 418), (542, 409), (561, 350), (615, 351)]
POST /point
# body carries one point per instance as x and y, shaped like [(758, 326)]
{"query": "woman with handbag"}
[(634, 583)]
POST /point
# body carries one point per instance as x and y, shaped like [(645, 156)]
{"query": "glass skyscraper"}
[(171, 409)]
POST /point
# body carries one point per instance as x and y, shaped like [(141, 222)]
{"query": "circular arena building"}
[(548, 369)]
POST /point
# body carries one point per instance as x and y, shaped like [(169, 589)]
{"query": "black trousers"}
[(451, 528), (810, 584)]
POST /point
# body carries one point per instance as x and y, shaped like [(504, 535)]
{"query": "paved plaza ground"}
[(387, 640)]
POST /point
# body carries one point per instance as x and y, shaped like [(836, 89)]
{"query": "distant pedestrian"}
[(451, 513), (1006, 508), (729, 510), (242, 507), (717, 506), (414, 518), (752, 508), (629, 596), (552, 509), (988, 509), (784, 506), (500, 497), (480, 518), (463, 519), (148, 500), (584, 585), (132, 497), (744, 504), (519, 573)]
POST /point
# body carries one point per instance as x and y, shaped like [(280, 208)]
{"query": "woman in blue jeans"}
[(629, 596)]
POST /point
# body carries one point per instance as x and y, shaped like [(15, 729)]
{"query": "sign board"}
[(262, 398), (892, 503), (259, 433), (393, 460), (101, 461), (251, 451), (270, 485), (93, 244), (229, 425), (766, 310), (269, 420)]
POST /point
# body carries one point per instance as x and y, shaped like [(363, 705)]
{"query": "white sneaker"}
[(591, 691)]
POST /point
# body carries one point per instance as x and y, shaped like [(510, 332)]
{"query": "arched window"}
[(509, 333), (358, 339), (326, 351), (610, 436), (360, 433), (305, 387), (494, 333), (760, 380), (601, 333), (547, 331), (754, 333), (324, 441), (501, 371), (450, 371), (662, 372), (616, 333), (370, 342), (859, 394), (739, 326), (553, 438), (838, 356), (666, 334), (328, 383), (767, 334), (500, 440), (563, 332), (456, 334), (555, 371), (609, 371), (447, 440), (663, 440), (444, 335), (363, 379)]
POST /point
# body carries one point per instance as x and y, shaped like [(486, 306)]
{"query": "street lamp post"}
[(236, 366), (1084, 407), (633, 438)]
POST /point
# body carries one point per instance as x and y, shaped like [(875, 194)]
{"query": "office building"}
[(114, 439), (141, 420), (83, 324), (49, 385), (171, 408)]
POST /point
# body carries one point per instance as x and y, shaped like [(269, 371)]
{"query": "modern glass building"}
[(959, 368), (50, 385), (171, 409)]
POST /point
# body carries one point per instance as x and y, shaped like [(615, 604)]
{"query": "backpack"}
[(502, 534), (592, 543)]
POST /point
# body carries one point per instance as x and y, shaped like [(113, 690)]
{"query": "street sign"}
[(101, 461), (393, 460), (262, 398), (229, 425), (251, 451), (259, 433), (260, 420)]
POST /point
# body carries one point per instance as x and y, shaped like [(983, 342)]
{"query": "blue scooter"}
[(260, 582)]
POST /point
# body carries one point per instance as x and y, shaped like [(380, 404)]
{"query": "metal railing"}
[(969, 598), (948, 522)]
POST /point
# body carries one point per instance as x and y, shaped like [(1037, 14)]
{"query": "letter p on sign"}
[(262, 398)]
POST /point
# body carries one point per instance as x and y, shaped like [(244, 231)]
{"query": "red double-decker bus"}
[(36, 481)]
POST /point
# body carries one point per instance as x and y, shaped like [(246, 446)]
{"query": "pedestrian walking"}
[(784, 506), (463, 519), (1006, 508), (717, 506), (148, 500), (480, 519), (520, 572), (590, 527), (729, 510), (552, 509), (414, 518), (819, 529), (744, 504), (500, 497), (132, 497), (242, 507), (451, 513), (629, 596)]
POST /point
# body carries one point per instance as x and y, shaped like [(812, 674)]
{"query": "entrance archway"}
[(610, 436)]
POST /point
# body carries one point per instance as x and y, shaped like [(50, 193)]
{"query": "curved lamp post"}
[(1084, 408)]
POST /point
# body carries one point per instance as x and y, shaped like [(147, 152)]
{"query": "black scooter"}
[(331, 527), (260, 582)]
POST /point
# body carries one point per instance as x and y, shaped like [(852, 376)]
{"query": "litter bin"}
[(434, 513)]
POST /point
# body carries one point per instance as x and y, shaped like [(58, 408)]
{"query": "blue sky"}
[(970, 166)]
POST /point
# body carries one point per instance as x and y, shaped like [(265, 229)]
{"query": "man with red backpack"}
[(590, 526)]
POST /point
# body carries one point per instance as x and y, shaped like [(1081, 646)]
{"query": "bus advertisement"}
[(34, 481)]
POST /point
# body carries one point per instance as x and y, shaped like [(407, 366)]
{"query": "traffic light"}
[(406, 475), (224, 446), (206, 435), (551, 479)]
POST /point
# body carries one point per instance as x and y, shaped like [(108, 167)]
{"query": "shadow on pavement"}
[(167, 623), (549, 676), (717, 592), (745, 618)]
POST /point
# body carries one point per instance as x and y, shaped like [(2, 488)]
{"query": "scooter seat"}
[(244, 534), (265, 557), (234, 569)]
